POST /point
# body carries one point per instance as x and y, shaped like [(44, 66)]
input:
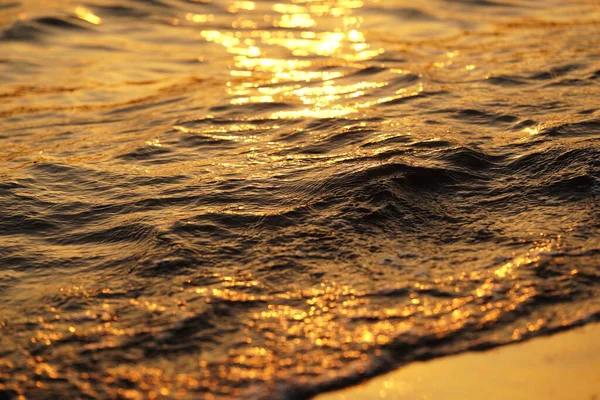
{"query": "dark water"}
[(220, 199)]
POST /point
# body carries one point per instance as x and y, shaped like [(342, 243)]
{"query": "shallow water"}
[(252, 199)]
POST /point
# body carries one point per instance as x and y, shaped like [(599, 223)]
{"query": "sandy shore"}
[(564, 366)]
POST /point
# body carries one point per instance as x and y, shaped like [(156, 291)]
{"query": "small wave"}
[(583, 128), (36, 29)]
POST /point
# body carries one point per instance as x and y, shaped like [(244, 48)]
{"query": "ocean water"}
[(215, 199)]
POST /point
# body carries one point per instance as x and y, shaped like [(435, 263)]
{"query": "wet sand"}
[(563, 366)]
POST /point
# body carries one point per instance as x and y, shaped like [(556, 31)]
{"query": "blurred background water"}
[(262, 199)]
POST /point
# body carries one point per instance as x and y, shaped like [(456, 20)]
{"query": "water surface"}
[(259, 199)]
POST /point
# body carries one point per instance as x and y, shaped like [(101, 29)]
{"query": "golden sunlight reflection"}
[(311, 331), (86, 15), (284, 65)]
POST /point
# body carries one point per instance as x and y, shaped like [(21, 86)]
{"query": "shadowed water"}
[(251, 199)]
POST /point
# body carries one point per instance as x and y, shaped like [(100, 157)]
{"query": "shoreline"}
[(562, 366)]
